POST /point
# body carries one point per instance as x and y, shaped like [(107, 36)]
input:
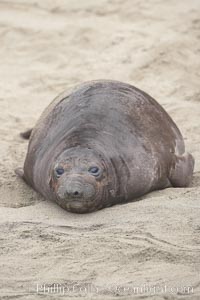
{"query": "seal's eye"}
[(94, 171), (59, 171)]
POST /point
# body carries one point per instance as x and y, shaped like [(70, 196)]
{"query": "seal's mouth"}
[(75, 204), (80, 206), (77, 193)]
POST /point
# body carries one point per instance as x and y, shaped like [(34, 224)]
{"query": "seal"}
[(104, 143)]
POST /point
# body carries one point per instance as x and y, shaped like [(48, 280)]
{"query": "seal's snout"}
[(76, 188), (75, 192)]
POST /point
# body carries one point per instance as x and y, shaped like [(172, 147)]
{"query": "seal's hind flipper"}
[(19, 172), (26, 134), (182, 170)]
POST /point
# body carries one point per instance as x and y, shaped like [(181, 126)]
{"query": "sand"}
[(148, 249)]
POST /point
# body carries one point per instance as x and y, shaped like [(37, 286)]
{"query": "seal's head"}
[(80, 180)]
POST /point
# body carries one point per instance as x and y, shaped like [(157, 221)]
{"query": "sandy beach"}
[(149, 249)]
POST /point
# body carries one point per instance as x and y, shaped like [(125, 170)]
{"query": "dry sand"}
[(46, 47)]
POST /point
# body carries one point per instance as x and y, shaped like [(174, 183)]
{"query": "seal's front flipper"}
[(26, 134), (182, 170), (20, 172)]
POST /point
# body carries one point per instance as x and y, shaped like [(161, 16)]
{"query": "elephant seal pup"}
[(104, 143)]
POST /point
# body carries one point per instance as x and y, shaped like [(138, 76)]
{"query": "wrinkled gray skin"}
[(116, 127)]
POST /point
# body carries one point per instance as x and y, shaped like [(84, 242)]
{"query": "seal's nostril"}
[(73, 194)]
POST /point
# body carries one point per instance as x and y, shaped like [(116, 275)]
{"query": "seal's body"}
[(104, 143)]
